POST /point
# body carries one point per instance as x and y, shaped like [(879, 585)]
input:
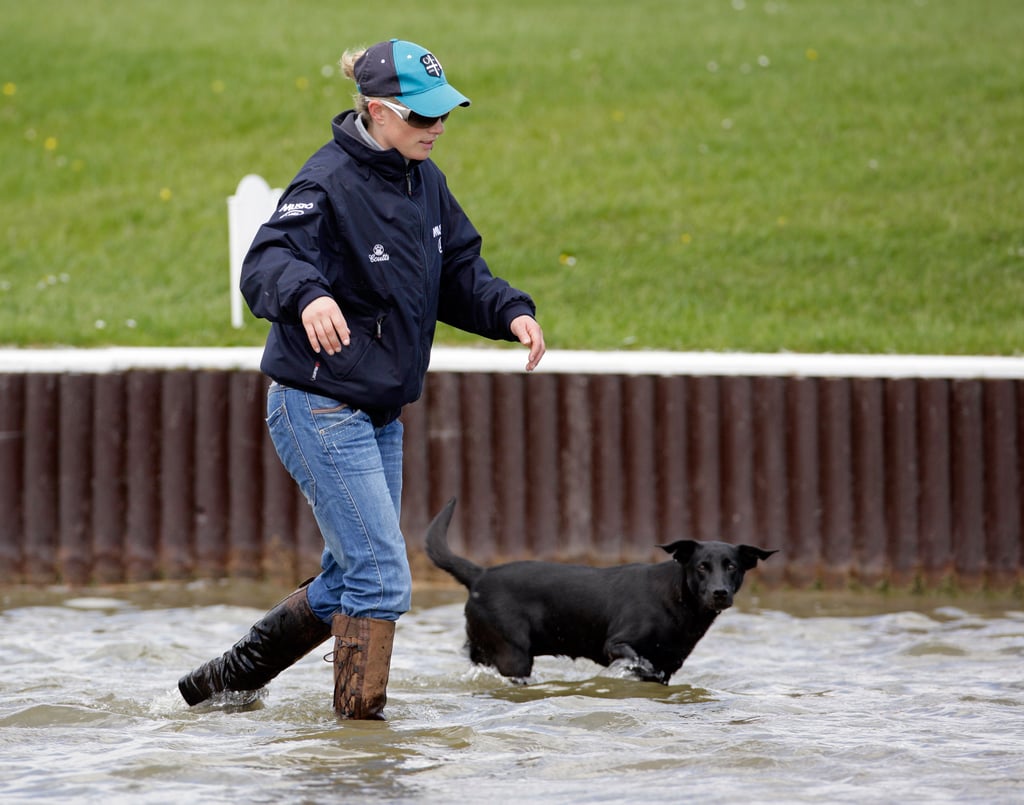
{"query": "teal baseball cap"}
[(409, 73)]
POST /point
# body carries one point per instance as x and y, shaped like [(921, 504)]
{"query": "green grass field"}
[(765, 175)]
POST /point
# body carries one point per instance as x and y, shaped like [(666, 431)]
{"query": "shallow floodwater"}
[(805, 697)]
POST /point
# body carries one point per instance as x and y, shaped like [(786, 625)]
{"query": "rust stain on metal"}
[(169, 474)]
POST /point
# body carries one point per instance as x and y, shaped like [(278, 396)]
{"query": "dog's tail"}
[(464, 571)]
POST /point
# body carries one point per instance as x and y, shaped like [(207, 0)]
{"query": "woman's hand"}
[(528, 331), (325, 326)]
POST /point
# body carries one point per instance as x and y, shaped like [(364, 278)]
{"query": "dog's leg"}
[(513, 663), (509, 661), (497, 647), (624, 656)]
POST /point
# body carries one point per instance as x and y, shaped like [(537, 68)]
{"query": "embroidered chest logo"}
[(378, 255), (431, 64)]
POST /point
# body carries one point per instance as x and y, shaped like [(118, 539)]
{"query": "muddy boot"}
[(362, 663), (283, 636)]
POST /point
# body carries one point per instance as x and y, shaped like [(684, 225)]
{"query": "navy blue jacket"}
[(390, 243)]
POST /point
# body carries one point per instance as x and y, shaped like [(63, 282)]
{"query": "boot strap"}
[(339, 643)]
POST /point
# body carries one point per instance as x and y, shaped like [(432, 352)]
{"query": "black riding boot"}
[(286, 634)]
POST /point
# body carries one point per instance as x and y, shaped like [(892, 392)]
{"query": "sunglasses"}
[(413, 119)]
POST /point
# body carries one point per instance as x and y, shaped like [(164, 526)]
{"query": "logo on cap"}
[(432, 65)]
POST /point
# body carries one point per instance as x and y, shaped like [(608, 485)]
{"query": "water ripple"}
[(799, 702)]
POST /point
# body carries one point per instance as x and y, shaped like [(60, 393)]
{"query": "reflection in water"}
[(788, 698)]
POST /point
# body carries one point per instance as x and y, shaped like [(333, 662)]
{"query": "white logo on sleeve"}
[(378, 255), (293, 208)]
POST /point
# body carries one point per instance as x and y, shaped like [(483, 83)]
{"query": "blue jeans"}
[(351, 474)]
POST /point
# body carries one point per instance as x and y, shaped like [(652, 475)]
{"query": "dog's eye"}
[(704, 567), (730, 566)]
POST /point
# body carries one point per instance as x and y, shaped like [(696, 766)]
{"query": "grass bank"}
[(717, 174)]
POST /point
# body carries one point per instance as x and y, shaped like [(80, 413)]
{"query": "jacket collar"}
[(388, 163)]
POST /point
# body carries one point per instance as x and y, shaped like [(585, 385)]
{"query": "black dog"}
[(650, 616)]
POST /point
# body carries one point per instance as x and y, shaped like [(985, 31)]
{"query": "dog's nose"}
[(722, 598)]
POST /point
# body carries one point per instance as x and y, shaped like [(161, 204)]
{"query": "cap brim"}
[(436, 101)]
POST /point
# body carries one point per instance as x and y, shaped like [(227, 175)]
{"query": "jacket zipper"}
[(408, 185)]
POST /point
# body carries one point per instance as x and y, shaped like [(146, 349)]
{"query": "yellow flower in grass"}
[(165, 194), (50, 143), (10, 88)]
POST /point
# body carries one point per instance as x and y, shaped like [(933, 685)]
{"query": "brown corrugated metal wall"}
[(168, 474)]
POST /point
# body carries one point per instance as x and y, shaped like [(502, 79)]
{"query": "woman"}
[(366, 252)]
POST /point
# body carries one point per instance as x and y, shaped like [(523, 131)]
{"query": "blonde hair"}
[(348, 69)]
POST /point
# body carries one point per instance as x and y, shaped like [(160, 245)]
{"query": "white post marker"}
[(251, 205)]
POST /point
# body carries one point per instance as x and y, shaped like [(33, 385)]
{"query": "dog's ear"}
[(749, 556), (681, 550)]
